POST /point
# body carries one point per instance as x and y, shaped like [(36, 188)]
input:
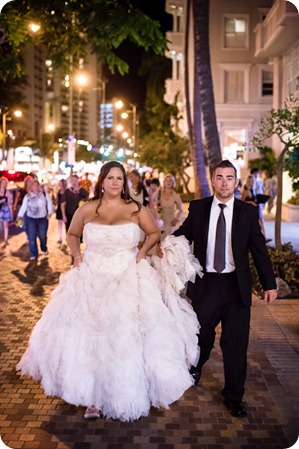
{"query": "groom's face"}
[(224, 182)]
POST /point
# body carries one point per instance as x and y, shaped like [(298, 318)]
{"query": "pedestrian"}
[(247, 191), (6, 211), (137, 189), (271, 190), (28, 180), (38, 207), (168, 205), (153, 188), (106, 339), (139, 193), (62, 185), (224, 292), (73, 196), (258, 189), (86, 184), (238, 190)]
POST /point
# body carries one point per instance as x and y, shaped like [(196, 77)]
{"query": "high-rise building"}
[(58, 106)]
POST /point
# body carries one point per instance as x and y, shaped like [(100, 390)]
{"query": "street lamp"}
[(18, 114), (81, 80), (119, 104)]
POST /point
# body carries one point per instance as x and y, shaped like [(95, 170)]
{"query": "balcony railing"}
[(278, 29)]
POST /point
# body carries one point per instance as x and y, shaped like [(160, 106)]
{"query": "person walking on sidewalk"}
[(72, 199), (6, 212), (19, 199), (62, 185), (224, 292), (38, 207)]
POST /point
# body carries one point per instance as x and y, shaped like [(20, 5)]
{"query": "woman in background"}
[(6, 212), (138, 193), (62, 186), (169, 205)]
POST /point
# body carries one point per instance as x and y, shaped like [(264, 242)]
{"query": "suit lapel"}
[(236, 214)]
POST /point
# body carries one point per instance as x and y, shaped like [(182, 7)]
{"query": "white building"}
[(254, 59)]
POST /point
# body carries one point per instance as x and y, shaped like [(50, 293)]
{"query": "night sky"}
[(132, 86)]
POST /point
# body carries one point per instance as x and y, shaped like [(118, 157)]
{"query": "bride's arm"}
[(151, 230), (74, 234)]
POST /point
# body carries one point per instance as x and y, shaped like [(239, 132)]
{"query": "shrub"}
[(294, 200), (285, 265)]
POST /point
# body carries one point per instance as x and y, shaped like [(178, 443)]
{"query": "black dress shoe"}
[(195, 373), (235, 408)]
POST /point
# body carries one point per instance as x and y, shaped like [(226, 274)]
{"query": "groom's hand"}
[(270, 296)]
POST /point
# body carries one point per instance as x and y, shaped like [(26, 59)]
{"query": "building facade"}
[(57, 106), (254, 60)]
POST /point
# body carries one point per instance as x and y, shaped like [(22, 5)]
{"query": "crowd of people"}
[(117, 335), (40, 201)]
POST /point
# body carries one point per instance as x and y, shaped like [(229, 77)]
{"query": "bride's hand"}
[(140, 255), (77, 261)]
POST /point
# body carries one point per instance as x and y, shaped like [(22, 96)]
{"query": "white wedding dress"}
[(116, 334)]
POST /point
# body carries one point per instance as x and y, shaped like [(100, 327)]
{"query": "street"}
[(198, 420)]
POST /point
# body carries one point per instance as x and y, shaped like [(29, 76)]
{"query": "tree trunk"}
[(202, 43), (187, 99), (279, 173), (204, 189)]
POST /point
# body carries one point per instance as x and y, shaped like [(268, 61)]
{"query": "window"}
[(235, 32), (267, 83), (293, 71), (234, 86)]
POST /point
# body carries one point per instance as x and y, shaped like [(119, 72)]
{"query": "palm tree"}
[(204, 103), (206, 91)]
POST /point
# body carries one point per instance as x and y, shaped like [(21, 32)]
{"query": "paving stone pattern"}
[(199, 420)]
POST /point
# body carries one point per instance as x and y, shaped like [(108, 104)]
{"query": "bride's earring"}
[(103, 190)]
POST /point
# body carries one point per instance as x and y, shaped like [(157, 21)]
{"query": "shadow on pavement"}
[(37, 275)]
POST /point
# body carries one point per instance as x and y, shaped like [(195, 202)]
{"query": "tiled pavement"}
[(199, 420)]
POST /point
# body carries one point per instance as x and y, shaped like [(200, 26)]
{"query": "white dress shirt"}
[(228, 214)]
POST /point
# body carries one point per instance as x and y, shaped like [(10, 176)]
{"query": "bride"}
[(116, 337)]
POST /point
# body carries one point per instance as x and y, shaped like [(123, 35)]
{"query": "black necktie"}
[(219, 256)]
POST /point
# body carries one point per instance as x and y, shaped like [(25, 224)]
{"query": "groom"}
[(223, 230)]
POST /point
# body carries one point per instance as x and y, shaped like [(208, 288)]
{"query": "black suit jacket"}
[(246, 236)]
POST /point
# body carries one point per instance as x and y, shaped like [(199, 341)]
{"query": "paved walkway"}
[(199, 420)]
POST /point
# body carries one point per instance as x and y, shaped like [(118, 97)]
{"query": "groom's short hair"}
[(225, 164)]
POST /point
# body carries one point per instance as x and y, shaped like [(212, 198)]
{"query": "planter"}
[(290, 212)]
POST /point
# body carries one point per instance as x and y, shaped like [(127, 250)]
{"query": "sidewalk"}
[(199, 420)]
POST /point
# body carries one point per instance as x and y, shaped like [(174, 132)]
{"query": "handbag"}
[(261, 198)]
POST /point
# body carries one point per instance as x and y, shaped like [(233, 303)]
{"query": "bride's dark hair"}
[(125, 193)]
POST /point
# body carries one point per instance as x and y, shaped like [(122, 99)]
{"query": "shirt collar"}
[(229, 203)]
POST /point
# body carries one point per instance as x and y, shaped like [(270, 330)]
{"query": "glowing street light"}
[(17, 113), (34, 27)]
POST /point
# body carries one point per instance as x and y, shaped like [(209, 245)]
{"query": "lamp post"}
[(81, 79), (119, 104), (18, 114)]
